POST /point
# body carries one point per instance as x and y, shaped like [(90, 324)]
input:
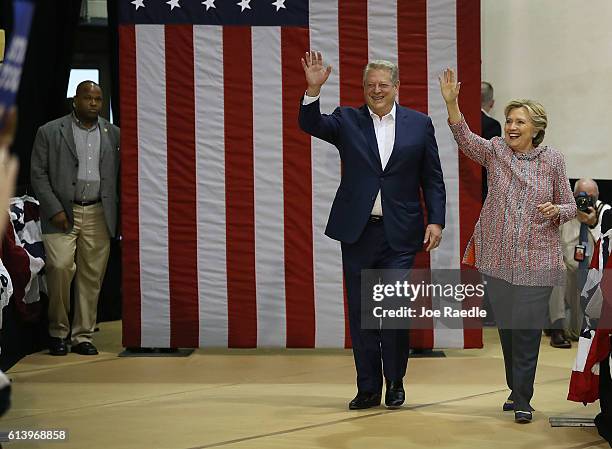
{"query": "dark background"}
[(59, 41)]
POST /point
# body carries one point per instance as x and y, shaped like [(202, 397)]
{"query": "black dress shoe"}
[(365, 400), (508, 405), (522, 417), (57, 346), (394, 396), (558, 340), (85, 348)]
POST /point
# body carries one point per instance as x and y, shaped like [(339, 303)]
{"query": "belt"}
[(375, 219), (85, 203)]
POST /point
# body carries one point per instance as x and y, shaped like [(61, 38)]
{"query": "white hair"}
[(381, 64)]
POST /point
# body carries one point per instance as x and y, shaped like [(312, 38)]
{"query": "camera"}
[(584, 201)]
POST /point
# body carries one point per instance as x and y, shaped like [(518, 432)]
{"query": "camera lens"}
[(583, 202)]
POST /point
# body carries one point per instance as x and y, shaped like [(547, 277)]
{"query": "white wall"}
[(558, 52)]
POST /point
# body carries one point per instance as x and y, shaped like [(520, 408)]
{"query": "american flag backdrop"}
[(225, 199)]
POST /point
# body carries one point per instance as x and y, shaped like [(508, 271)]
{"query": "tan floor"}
[(239, 399)]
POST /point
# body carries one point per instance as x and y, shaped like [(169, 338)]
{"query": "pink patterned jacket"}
[(512, 240)]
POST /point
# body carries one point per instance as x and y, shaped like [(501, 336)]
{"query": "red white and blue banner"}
[(22, 260)]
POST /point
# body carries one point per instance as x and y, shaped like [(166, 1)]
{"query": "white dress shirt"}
[(384, 128), (385, 138)]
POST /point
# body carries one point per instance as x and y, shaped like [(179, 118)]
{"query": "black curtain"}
[(6, 19), (41, 98), (46, 70), (113, 45)]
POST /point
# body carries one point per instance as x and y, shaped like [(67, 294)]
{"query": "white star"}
[(244, 4), (209, 4), (138, 4), (173, 4), (279, 4)]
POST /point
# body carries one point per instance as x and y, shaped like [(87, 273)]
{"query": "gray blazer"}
[(54, 167)]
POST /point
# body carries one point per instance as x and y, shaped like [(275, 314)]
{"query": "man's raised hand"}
[(316, 73)]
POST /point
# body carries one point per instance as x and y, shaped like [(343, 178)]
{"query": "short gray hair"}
[(486, 93), (381, 64)]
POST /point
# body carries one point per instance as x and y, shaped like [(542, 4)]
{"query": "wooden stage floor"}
[(295, 399)]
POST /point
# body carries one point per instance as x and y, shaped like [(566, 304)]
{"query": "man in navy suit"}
[(489, 126), (388, 154)]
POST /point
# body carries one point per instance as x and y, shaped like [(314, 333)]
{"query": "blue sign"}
[(10, 70)]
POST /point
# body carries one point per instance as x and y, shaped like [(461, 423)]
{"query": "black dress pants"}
[(376, 351), (603, 421)]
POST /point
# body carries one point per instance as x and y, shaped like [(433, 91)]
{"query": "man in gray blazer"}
[(74, 171)]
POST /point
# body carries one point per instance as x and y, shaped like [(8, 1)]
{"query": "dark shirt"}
[(489, 128)]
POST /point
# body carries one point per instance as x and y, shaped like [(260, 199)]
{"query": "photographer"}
[(577, 241), (515, 245)]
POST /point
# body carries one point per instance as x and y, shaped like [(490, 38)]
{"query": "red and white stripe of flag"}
[(225, 200)]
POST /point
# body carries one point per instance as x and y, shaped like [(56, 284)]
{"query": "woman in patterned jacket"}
[(515, 245)]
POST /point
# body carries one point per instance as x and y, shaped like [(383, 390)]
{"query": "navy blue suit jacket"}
[(414, 163)]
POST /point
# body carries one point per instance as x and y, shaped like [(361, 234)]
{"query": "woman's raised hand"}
[(449, 87)]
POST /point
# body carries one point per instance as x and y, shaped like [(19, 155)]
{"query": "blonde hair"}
[(537, 114)]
